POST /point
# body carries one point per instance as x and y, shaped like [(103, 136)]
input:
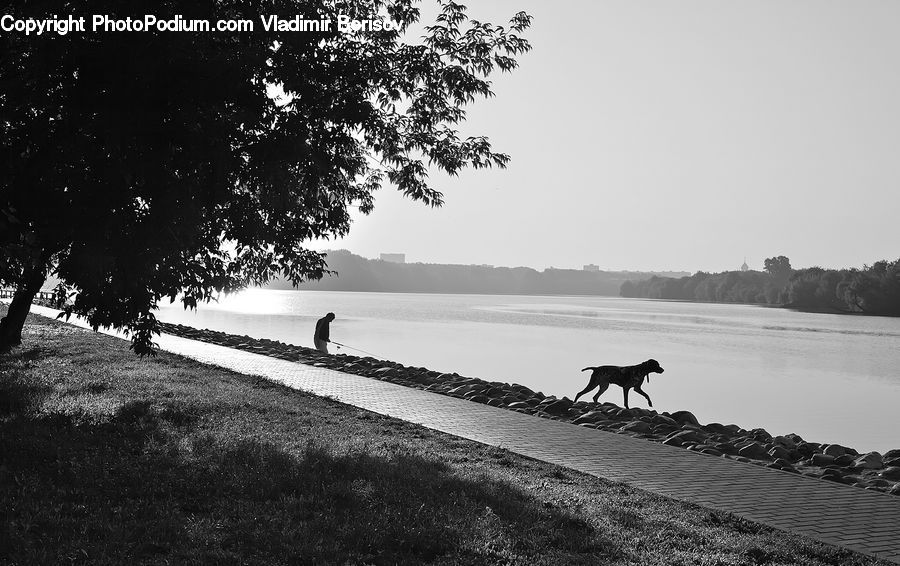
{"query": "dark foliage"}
[(872, 290), (144, 165)]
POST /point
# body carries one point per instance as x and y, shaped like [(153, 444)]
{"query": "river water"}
[(828, 378)]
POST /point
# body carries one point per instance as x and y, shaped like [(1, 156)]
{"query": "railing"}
[(40, 296)]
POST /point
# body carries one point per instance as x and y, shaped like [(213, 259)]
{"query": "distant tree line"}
[(356, 273), (873, 289)]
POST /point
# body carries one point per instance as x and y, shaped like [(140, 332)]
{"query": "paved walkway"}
[(865, 521)]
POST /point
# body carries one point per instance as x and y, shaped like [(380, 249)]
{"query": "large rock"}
[(845, 460), (870, 461), (754, 451), (833, 474), (590, 417), (675, 442), (521, 389), (461, 390), (782, 464), (805, 449), (494, 392), (891, 454), (626, 414), (778, 451), (821, 460), (717, 428), (639, 413), (892, 473), (835, 450), (683, 436), (636, 426), (664, 429), (784, 441), (662, 419), (685, 417), (559, 407), (760, 434), (727, 448), (476, 390)]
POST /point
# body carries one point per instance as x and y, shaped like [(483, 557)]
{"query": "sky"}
[(660, 135)]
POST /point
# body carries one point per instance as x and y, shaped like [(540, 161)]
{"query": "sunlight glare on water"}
[(250, 301)]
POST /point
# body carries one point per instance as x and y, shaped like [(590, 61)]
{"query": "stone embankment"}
[(790, 453)]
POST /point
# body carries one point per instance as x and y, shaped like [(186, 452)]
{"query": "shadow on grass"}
[(142, 486), (18, 396)]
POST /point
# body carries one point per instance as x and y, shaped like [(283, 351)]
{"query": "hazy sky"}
[(655, 134)]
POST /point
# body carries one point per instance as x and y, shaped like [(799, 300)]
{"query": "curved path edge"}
[(864, 521)]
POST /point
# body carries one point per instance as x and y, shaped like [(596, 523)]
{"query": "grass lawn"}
[(106, 458)]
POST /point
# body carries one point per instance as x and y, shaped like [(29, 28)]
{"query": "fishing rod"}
[(338, 344)]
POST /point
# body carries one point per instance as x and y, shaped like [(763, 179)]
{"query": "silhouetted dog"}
[(628, 377)]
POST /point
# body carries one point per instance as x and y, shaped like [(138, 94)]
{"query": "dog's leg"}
[(603, 387), (625, 389), (637, 389), (590, 386)]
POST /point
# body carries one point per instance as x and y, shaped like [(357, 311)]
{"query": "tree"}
[(144, 165), (779, 268), (875, 289)]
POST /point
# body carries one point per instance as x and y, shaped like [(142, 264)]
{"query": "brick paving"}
[(861, 520)]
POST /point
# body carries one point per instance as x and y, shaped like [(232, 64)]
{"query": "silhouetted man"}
[(321, 337)]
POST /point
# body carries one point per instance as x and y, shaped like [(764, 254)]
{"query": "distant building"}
[(394, 258), (591, 267), (745, 267)]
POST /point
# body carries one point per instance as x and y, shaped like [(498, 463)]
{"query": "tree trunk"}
[(12, 323)]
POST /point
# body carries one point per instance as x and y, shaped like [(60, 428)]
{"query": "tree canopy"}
[(138, 166), (873, 290), (779, 267)]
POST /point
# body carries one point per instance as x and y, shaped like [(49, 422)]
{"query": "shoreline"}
[(785, 306), (788, 453)]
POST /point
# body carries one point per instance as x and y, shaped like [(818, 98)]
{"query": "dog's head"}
[(652, 366)]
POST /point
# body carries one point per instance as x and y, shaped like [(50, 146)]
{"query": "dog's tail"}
[(589, 368)]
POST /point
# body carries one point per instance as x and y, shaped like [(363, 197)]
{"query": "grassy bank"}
[(107, 458)]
